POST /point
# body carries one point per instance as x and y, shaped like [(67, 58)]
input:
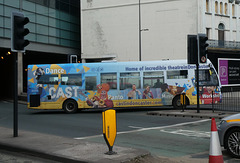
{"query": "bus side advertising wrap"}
[(123, 84)]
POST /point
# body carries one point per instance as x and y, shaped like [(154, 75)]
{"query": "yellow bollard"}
[(109, 129), (183, 101)]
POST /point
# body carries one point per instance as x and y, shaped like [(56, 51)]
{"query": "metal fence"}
[(224, 44), (230, 99)]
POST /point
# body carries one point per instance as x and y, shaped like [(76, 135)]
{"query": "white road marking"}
[(190, 133), (146, 129), (88, 137), (134, 127)]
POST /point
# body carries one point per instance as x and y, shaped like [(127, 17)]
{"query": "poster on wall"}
[(229, 71)]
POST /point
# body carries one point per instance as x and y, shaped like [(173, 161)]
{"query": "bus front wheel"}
[(70, 106)]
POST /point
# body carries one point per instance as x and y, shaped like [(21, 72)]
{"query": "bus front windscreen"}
[(208, 78)]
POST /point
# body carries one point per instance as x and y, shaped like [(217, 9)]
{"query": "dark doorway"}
[(7, 73)]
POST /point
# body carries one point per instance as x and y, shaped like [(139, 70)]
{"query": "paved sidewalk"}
[(205, 113), (64, 149)]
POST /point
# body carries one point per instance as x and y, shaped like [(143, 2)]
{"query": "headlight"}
[(221, 123)]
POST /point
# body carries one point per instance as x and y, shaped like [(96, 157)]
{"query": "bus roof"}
[(130, 66)]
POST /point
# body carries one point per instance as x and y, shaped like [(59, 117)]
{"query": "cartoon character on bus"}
[(37, 74), (100, 100)]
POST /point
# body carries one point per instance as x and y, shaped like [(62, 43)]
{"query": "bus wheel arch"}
[(70, 106), (176, 102)]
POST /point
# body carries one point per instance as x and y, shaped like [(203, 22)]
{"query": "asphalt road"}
[(167, 137), (82, 124)]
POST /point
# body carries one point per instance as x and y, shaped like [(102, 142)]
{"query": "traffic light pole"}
[(15, 105), (202, 45), (197, 53), (197, 80), (18, 44)]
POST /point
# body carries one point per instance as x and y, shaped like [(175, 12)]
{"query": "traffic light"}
[(19, 32), (202, 46), (192, 49)]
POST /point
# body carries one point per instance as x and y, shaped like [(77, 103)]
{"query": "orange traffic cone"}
[(215, 152)]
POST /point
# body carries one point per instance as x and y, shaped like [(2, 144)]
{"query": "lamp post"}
[(140, 34), (140, 31)]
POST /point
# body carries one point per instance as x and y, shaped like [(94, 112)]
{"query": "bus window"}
[(71, 79), (208, 78), (91, 82), (153, 79), (128, 79), (48, 79), (109, 78), (180, 74), (204, 75)]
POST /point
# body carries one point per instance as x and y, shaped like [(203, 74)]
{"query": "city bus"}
[(77, 86)]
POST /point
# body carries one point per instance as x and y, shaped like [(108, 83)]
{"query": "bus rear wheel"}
[(177, 102), (70, 106)]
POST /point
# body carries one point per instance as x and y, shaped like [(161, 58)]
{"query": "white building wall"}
[(111, 28), (169, 23), (230, 20)]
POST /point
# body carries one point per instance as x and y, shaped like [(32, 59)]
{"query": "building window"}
[(233, 10), (53, 21), (216, 7), (208, 32), (226, 9), (207, 5), (221, 8), (221, 28)]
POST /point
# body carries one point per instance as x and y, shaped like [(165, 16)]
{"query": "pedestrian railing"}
[(230, 99)]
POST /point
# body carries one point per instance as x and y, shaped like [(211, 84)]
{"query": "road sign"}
[(109, 128), (203, 59)]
